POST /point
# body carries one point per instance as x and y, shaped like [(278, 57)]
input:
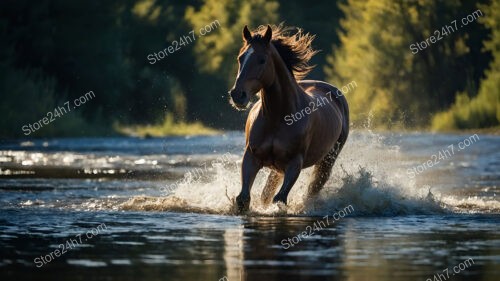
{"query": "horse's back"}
[(340, 100)]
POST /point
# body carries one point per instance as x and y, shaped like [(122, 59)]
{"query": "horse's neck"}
[(283, 96)]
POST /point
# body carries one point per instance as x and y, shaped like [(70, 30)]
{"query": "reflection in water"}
[(233, 253), (180, 246), (403, 248)]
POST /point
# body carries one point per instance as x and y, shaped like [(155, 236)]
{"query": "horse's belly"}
[(316, 153), (275, 152), (323, 138)]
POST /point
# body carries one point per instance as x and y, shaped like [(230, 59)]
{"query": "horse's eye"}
[(262, 61)]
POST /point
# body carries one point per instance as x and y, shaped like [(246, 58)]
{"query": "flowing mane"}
[(294, 48)]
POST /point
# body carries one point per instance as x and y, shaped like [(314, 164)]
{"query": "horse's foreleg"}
[(292, 172), (273, 180), (249, 169)]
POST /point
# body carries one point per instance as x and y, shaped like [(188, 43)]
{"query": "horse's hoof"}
[(243, 204)]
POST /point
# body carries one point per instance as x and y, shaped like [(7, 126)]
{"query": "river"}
[(398, 206)]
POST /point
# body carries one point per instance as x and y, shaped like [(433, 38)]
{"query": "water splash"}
[(368, 175)]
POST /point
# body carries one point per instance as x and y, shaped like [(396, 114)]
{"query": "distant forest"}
[(431, 65)]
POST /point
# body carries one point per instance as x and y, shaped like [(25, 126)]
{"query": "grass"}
[(169, 127)]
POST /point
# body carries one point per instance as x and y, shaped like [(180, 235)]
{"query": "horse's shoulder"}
[(253, 115)]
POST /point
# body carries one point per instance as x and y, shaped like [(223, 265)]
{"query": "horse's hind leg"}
[(273, 180), (321, 173), (323, 169)]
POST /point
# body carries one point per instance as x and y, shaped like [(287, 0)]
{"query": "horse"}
[(272, 64)]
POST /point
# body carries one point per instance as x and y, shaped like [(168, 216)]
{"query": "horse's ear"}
[(246, 34), (269, 34)]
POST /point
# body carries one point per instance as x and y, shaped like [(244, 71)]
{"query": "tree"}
[(482, 110), (396, 84)]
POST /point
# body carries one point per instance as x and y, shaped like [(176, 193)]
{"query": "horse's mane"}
[(294, 47)]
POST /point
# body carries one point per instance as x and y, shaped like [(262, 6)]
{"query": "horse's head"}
[(255, 70)]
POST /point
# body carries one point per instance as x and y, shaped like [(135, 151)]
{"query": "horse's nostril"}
[(237, 95)]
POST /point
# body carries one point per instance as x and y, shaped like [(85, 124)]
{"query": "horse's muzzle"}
[(239, 98)]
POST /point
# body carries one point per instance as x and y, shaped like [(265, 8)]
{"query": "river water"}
[(406, 206)]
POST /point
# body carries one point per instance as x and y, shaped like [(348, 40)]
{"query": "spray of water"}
[(369, 175)]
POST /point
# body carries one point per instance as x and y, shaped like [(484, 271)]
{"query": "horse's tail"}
[(341, 102)]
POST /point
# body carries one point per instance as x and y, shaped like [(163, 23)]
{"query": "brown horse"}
[(294, 125)]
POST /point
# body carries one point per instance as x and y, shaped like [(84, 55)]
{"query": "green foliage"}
[(53, 51), (168, 127), (30, 97), (395, 86), (483, 110)]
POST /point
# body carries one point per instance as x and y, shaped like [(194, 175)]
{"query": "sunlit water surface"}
[(165, 211)]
